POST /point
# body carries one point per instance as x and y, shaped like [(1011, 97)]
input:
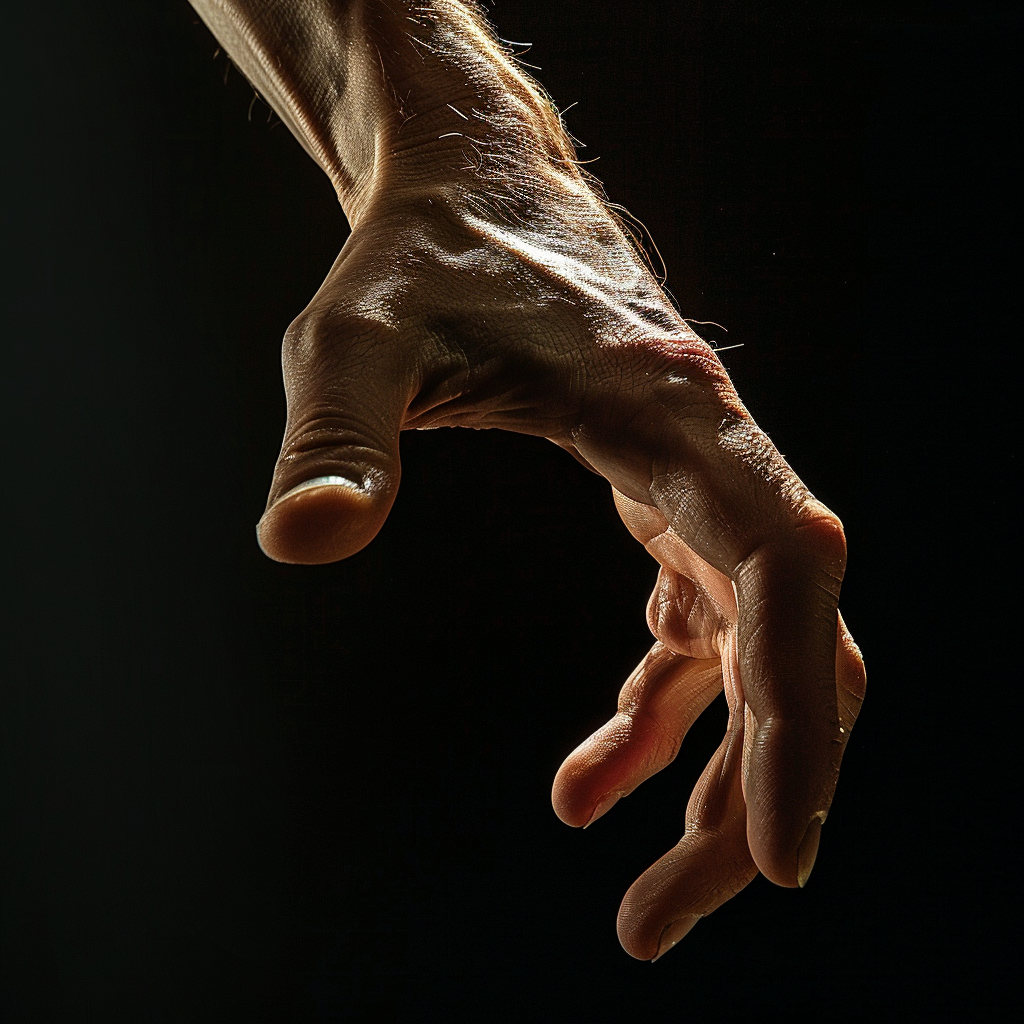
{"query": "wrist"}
[(395, 99), (452, 118)]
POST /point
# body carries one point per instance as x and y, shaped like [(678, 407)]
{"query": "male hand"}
[(486, 284), (434, 316)]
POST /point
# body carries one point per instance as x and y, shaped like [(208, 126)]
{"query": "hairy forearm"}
[(397, 96)]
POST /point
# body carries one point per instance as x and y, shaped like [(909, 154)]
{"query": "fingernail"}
[(604, 805), (808, 852), (320, 481), (673, 932), (308, 485)]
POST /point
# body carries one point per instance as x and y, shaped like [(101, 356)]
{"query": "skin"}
[(486, 284)]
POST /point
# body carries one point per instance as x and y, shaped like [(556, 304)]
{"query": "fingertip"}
[(787, 862), (789, 783), (777, 865), (604, 805), (673, 933), (598, 773), (322, 520), (580, 812), (639, 935), (568, 811), (571, 798)]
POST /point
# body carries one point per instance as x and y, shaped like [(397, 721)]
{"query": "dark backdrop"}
[(241, 791)]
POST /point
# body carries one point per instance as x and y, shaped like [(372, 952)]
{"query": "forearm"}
[(397, 96)]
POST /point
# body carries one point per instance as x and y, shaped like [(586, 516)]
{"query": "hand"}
[(544, 320), (485, 284)]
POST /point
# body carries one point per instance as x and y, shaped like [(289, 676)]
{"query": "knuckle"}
[(322, 334), (683, 618), (306, 331), (668, 610), (688, 376), (821, 535), (806, 545), (677, 374)]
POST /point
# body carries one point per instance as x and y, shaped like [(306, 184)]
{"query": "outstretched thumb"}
[(348, 384)]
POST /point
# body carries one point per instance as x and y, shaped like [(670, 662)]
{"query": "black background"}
[(241, 791)]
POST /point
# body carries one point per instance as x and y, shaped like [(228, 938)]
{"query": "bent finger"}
[(707, 867), (659, 702), (788, 649)]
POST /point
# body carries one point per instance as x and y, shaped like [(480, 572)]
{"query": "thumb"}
[(348, 386)]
